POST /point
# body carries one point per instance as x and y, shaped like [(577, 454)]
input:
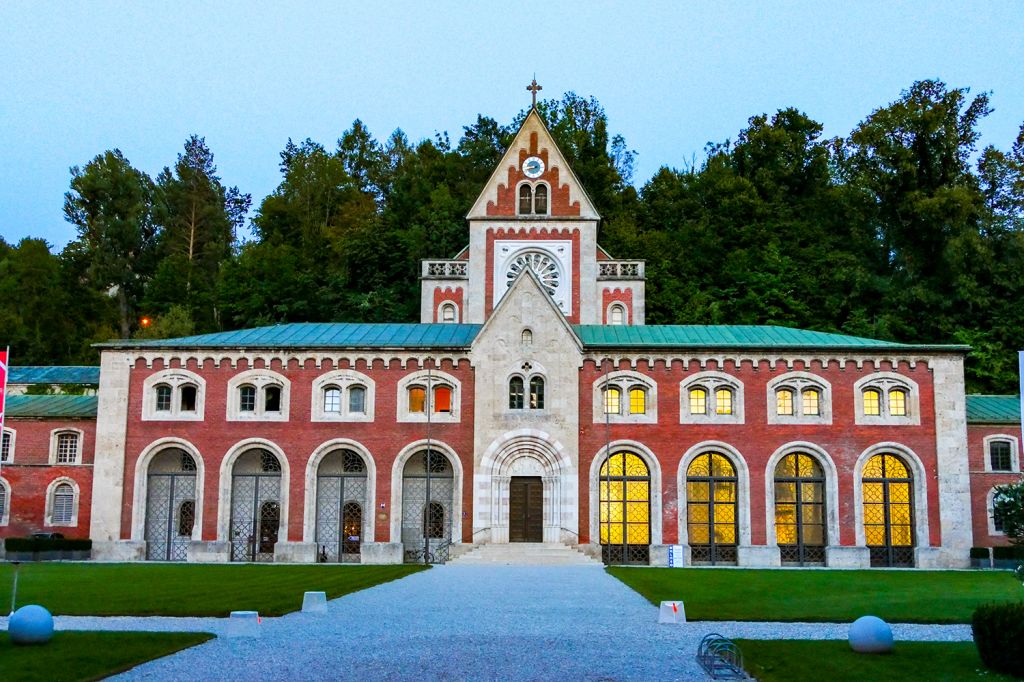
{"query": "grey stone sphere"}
[(30, 624), (870, 635)]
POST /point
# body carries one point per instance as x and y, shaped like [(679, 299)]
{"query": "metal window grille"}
[(1000, 458), (340, 496), (187, 463), (625, 509), (536, 393), (800, 510), (269, 463), (515, 393), (332, 399), (63, 505), (887, 487), (67, 448), (427, 480), (357, 400), (5, 447), (247, 398), (711, 509), (163, 398)]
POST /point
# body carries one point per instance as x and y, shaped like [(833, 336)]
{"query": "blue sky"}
[(79, 78)]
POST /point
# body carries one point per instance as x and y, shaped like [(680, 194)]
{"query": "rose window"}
[(542, 265)]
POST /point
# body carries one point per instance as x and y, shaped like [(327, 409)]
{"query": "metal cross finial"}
[(534, 89)]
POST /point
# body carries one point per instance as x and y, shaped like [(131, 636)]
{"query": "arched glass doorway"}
[(800, 510), (170, 505), (711, 499), (624, 490), (340, 501), (428, 494), (255, 505), (888, 511)]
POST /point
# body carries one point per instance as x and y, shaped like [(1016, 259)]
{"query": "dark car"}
[(47, 536)]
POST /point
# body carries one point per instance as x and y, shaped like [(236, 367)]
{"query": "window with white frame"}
[(995, 523), (625, 396), (799, 398), (173, 395), (7, 446), (616, 314), (449, 313), (886, 398), (343, 395), (1001, 453), (711, 397), (526, 390), (258, 395), (5, 502), (533, 199), (434, 393), (66, 446), (62, 503)]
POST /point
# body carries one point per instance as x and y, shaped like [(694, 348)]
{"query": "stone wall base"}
[(119, 550), (659, 555), (206, 551), (758, 555), (294, 552), (381, 552), (592, 550), (937, 557), (837, 556)]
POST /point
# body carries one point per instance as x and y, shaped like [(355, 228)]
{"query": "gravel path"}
[(470, 622)]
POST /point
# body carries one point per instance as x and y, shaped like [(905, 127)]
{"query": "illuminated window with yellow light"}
[(698, 401), (723, 401), (417, 399), (888, 502), (784, 401), (898, 402), (711, 509), (872, 402), (637, 400), (800, 528), (811, 402), (624, 491), (612, 400)]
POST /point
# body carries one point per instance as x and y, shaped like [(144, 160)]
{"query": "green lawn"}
[(823, 596), (139, 589), (89, 655), (795, 660)]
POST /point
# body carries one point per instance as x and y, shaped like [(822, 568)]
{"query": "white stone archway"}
[(526, 452)]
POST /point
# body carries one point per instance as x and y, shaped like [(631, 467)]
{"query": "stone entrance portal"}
[(526, 509)]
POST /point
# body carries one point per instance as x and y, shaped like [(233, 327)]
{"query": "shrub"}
[(998, 630), (1009, 552), (979, 552), (48, 545)]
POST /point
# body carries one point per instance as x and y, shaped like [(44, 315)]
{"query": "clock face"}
[(533, 167)]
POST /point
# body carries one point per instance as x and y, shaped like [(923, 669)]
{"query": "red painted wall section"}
[(534, 234), (983, 481), (507, 200), (300, 437), (30, 474), (756, 439), (453, 294), (624, 296)]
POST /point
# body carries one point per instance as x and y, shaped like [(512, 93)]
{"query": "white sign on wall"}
[(676, 557)]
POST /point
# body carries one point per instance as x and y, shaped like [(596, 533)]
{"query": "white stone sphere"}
[(30, 624), (870, 635)]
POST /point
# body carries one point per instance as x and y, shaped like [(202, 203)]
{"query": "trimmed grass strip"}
[(790, 660), (73, 656), (137, 589), (823, 596)]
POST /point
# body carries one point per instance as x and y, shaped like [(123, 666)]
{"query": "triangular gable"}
[(568, 197), (527, 282)]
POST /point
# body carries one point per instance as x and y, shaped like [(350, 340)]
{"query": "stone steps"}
[(523, 554)]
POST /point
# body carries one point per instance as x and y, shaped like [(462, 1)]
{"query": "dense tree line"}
[(902, 230)]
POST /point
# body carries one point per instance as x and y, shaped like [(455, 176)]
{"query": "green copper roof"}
[(54, 406), (736, 336), (62, 374), (322, 335), (993, 409)]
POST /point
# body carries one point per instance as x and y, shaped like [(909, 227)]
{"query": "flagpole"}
[(3, 405)]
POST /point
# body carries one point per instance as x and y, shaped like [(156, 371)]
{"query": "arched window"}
[(872, 402), (784, 401), (612, 400), (638, 400), (247, 398), (428, 503), (1000, 455), (170, 505), (332, 399), (417, 399), (536, 393), (163, 398), (811, 401), (7, 446), (443, 399), (357, 399), (272, 398), (723, 401), (256, 494), (540, 200), (625, 509), (515, 393), (525, 200), (888, 511), (800, 510), (698, 401), (448, 313), (63, 505), (341, 493), (711, 506), (898, 402), (527, 337), (617, 315)]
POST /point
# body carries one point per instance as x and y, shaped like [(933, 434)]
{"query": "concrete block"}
[(314, 602), (935, 557), (208, 551), (295, 552), (119, 550), (837, 556), (381, 553), (758, 555), (672, 612), (244, 624)]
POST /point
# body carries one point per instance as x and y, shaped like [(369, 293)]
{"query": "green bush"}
[(1009, 552), (998, 630), (51, 545), (979, 552)]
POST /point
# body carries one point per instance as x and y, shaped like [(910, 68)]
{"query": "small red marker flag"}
[(675, 608)]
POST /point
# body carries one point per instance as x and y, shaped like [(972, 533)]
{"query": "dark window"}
[(163, 398), (5, 448), (997, 519), (357, 400), (352, 463), (272, 396), (540, 200), (999, 455), (525, 200), (247, 398), (187, 463), (515, 393), (186, 518), (268, 462), (536, 393), (433, 520), (188, 398)]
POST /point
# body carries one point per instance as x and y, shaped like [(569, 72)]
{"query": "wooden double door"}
[(526, 509)]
